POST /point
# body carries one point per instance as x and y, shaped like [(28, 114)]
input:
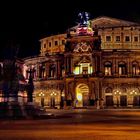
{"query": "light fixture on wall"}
[(117, 93), (41, 95)]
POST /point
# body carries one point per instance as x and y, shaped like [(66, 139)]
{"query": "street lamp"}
[(62, 100), (117, 94), (61, 86), (41, 95), (53, 94), (133, 93)]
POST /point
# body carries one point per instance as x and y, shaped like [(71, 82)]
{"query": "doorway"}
[(109, 100), (82, 95), (123, 100)]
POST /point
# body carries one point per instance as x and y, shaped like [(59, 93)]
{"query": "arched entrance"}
[(82, 95)]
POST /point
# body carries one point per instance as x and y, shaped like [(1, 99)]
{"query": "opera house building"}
[(96, 65)]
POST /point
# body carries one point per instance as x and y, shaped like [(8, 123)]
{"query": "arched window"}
[(122, 68), (62, 71), (108, 68), (109, 96), (83, 67), (108, 90), (135, 68), (52, 70), (123, 90), (43, 70), (40, 70)]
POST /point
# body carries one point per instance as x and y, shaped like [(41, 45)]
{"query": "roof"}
[(109, 22)]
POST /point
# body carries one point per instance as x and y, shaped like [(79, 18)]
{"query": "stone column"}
[(45, 71), (97, 95), (37, 69), (113, 67), (66, 94), (99, 61), (116, 67), (58, 69), (97, 105), (94, 65), (122, 38), (40, 72), (71, 65), (101, 95), (66, 64), (128, 67)]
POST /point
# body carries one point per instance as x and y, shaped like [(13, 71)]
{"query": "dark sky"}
[(23, 23)]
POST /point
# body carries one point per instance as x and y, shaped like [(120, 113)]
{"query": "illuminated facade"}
[(97, 66)]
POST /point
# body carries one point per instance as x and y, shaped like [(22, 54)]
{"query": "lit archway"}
[(82, 95)]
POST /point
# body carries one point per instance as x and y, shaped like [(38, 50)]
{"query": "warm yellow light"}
[(41, 94), (76, 70), (79, 97), (53, 94), (63, 95)]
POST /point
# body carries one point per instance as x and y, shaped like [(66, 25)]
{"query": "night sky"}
[(23, 23)]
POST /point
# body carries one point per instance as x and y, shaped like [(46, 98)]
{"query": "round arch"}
[(82, 95)]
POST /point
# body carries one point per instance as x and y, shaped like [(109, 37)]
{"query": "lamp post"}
[(133, 93), (53, 94), (117, 94), (41, 95), (62, 100), (61, 96)]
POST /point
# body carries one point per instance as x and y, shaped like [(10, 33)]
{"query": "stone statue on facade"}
[(83, 18)]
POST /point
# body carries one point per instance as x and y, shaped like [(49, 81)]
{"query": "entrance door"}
[(109, 100), (85, 100), (42, 102), (123, 100), (53, 102), (82, 95), (136, 101)]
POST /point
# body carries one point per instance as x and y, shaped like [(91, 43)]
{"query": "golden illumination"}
[(76, 70), (53, 94), (133, 92), (41, 94), (79, 69), (79, 97)]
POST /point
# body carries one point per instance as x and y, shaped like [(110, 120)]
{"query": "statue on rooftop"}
[(84, 26), (83, 18)]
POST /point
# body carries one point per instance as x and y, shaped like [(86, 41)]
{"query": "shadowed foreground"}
[(79, 126)]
